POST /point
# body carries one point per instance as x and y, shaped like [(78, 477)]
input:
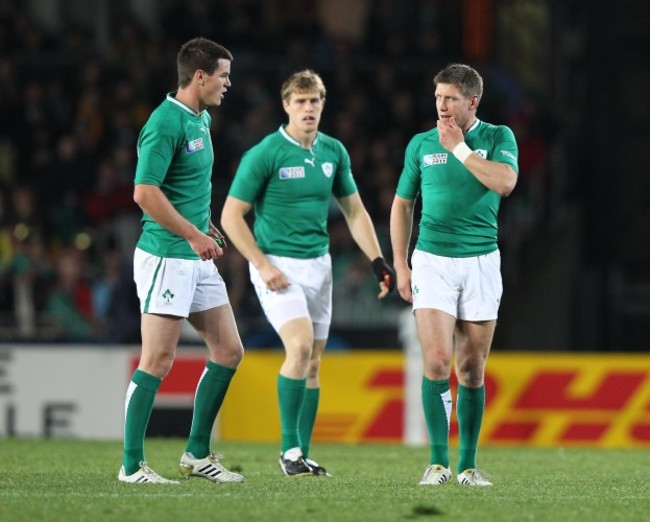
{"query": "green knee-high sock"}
[(436, 401), (140, 396), (470, 407), (308, 418), (209, 396), (291, 395)]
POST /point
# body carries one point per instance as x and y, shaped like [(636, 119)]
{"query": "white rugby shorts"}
[(309, 293), (469, 288), (177, 286)]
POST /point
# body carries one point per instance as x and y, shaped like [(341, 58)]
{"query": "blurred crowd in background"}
[(72, 105)]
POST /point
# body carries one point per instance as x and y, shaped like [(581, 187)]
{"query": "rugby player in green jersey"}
[(174, 269), (461, 169), (288, 179)]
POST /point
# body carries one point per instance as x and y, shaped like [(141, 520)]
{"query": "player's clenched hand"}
[(274, 278), (449, 133), (385, 275), (404, 284), (205, 247)]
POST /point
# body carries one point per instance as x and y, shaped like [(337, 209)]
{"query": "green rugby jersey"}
[(175, 153), (290, 189), (459, 213)]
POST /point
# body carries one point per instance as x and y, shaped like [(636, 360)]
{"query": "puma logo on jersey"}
[(310, 161)]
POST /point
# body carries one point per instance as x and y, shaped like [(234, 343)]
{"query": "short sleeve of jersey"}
[(156, 149), (344, 184), (408, 186), (505, 149), (251, 175)]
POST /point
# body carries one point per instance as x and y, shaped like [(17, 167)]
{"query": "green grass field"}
[(70, 480)]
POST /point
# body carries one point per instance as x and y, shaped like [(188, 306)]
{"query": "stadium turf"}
[(70, 480)]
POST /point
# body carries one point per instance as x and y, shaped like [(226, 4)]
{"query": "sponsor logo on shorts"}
[(434, 159), (292, 172), (194, 145)]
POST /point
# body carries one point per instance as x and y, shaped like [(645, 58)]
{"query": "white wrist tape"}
[(462, 151)]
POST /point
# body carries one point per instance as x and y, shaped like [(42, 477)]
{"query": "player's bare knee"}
[(470, 374), (235, 356), (229, 355), (437, 369), (313, 368), (160, 366)]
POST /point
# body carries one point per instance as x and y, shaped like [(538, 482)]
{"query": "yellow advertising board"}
[(531, 399)]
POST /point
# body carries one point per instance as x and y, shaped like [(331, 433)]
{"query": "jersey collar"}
[(286, 136), (474, 125), (171, 98)]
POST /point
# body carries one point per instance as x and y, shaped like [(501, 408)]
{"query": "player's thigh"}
[(217, 327), (160, 335), (435, 330), (297, 337), (472, 347), (318, 349)]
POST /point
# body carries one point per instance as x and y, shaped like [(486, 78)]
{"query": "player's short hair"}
[(199, 53), (467, 79), (303, 81)]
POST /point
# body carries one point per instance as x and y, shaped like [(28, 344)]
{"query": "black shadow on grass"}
[(424, 511)]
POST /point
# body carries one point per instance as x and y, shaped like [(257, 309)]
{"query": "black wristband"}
[(383, 269)]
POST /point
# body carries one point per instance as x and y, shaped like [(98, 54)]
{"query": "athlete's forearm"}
[(155, 204), (401, 225), (499, 177), (240, 235), (360, 225), (364, 234)]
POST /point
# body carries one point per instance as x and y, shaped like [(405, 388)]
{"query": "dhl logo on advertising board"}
[(531, 399), (550, 400)]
